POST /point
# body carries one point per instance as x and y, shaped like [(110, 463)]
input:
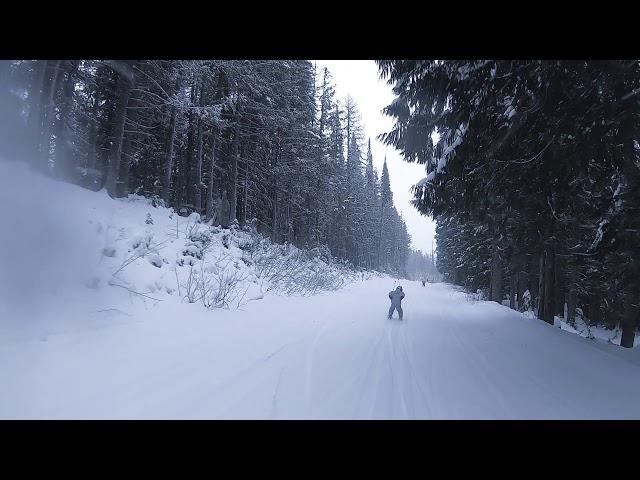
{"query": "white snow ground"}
[(72, 346)]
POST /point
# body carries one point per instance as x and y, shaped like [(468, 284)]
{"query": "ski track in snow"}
[(324, 357), (72, 351)]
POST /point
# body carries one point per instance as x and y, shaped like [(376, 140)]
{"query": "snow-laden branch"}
[(123, 69)]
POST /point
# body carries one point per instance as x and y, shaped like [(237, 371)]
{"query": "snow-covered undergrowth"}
[(580, 327), (63, 244), (593, 332)]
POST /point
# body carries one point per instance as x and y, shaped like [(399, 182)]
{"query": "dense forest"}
[(533, 176), (264, 143)]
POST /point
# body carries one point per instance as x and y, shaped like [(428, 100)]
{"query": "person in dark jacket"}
[(396, 297)]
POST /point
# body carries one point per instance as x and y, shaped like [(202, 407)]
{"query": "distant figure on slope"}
[(396, 297), (423, 282)]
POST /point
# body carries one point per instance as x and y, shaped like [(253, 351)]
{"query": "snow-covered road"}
[(332, 356)]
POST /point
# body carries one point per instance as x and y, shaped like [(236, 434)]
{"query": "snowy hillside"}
[(94, 324), (71, 252)]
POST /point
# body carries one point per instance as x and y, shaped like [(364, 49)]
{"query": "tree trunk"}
[(549, 305), (629, 238), (290, 232), (168, 162), (534, 272), (178, 180), (123, 91), (522, 281), (210, 204), (34, 120), (496, 273), (560, 281), (64, 151), (274, 214), (103, 151), (572, 281), (42, 112), (274, 194), (124, 189), (595, 314), (513, 281), (235, 154), (629, 321), (540, 297), (188, 173), (91, 161), (379, 260), (287, 196), (48, 112), (197, 171), (245, 200), (513, 286)]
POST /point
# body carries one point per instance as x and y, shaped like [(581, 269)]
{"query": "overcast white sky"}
[(359, 78)]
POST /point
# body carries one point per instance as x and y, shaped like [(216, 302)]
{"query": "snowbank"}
[(67, 251)]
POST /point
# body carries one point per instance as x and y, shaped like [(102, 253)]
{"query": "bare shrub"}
[(289, 270), (221, 284), (191, 290)]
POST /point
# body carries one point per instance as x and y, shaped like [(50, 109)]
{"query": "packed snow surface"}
[(73, 346)]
